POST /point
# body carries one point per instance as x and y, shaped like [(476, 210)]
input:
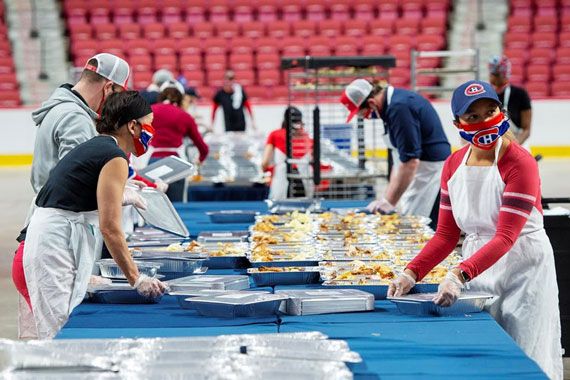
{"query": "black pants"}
[(434, 214)]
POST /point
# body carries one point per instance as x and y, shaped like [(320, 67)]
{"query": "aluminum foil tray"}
[(227, 262), (154, 242), (309, 262), (325, 301), (188, 271), (288, 205), (183, 297), (304, 275), (160, 213), (223, 236), (380, 291), (232, 216), (243, 304), (118, 293), (422, 304), (233, 282), (110, 269)]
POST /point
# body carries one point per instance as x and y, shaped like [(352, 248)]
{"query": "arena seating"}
[(9, 88), (202, 38), (538, 43)]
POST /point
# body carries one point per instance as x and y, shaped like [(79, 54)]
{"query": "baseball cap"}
[(172, 84), (500, 65), (161, 76), (192, 92), (111, 67), (354, 95), (468, 93)]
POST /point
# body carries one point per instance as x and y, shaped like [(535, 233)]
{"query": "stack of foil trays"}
[(325, 301), (269, 356)]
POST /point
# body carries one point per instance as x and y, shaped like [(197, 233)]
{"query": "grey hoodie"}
[(64, 121)]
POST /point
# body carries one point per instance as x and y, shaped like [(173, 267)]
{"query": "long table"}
[(393, 345)]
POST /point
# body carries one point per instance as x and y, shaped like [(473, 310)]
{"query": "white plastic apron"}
[(420, 196), (279, 181), (523, 281), (59, 254)]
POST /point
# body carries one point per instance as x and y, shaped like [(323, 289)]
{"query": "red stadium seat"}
[(171, 15), (403, 57), (269, 77), (243, 11), (123, 13), (432, 25), (330, 28), (541, 56), (388, 6), (355, 28), (267, 45), (190, 46), (319, 50), (164, 46), (563, 55), (129, 31), (168, 62), (147, 14), (195, 78), (406, 26), (80, 31), (140, 63), (280, 93), (215, 62), (245, 77), (382, 27), (538, 89), (365, 11), (315, 10), (293, 46), (195, 13), (400, 77), (254, 29), (517, 40), (544, 40), (561, 89), (85, 47), (518, 57), (267, 13), (304, 28), (216, 45), (115, 46), (99, 15), (178, 30), (190, 62), (561, 73), (564, 39), (203, 30), (6, 65), (377, 41), (279, 29), (242, 45), (8, 81), (9, 98), (430, 42), (227, 29), (154, 31), (537, 73), (142, 79), (371, 49), (292, 10), (428, 63), (267, 61), (138, 47), (215, 78), (339, 10), (519, 24), (257, 93), (219, 13), (400, 42), (565, 23), (241, 62), (546, 24)]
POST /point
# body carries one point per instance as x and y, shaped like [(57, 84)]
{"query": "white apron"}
[(523, 281), (279, 181), (59, 254), (420, 196)]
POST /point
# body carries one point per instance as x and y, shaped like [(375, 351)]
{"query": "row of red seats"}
[(550, 23), (78, 11), (548, 40), (9, 88), (279, 29), (545, 89), (541, 56), (540, 72)]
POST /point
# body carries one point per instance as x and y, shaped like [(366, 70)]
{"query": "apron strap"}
[(498, 150), (507, 97)]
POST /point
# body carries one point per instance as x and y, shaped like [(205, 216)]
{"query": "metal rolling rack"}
[(343, 161), (470, 57)]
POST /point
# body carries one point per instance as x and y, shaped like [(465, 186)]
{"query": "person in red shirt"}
[(490, 189), (172, 124), (276, 152)]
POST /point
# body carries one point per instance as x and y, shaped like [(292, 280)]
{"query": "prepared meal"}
[(264, 227)]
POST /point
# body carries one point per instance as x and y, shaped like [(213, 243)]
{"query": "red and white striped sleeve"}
[(447, 232), (519, 171)]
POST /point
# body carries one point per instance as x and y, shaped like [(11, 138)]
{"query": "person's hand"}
[(149, 286), (136, 183), (98, 280), (382, 206), (132, 197), (161, 186), (401, 285), (448, 290)]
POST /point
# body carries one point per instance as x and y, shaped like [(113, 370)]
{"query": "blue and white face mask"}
[(485, 135)]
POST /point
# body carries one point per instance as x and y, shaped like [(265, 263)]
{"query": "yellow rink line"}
[(545, 151)]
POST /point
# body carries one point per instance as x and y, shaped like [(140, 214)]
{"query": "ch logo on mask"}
[(474, 89), (486, 137)]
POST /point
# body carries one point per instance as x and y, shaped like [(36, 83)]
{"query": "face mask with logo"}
[(142, 143), (485, 135)]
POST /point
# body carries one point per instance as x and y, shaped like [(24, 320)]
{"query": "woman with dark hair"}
[(80, 206), (172, 124)]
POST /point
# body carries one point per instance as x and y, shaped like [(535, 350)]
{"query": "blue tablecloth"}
[(226, 193), (393, 345)]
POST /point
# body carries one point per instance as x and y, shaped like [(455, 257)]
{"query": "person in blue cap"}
[(490, 190)]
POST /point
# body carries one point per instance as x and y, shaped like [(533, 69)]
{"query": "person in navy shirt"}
[(419, 145)]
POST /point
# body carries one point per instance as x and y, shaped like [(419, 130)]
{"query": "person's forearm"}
[(117, 245), (401, 180)]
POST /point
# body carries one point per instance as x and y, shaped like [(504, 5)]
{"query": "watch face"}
[(465, 276)]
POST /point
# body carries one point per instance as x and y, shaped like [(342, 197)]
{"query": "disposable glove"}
[(161, 186), (401, 285), (149, 286), (382, 206), (448, 290), (132, 197)]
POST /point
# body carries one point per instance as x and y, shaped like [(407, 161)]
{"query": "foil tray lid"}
[(160, 213)]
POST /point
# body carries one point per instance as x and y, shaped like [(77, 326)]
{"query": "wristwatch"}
[(464, 276)]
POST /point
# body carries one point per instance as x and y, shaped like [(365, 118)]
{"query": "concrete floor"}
[(18, 194)]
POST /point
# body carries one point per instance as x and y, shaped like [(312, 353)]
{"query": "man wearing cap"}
[(189, 104), (413, 131), (64, 121), (153, 90), (514, 99)]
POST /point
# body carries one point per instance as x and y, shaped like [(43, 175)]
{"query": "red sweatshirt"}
[(519, 172), (172, 124)]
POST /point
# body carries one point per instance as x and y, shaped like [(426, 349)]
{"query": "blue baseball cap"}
[(468, 93)]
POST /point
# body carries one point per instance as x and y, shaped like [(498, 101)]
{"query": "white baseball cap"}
[(111, 67), (172, 83), (160, 76), (354, 95)]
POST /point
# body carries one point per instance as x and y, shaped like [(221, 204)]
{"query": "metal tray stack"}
[(232, 216), (422, 304), (242, 304), (233, 282), (324, 301), (272, 276), (226, 255), (117, 293), (184, 297), (110, 269), (174, 264), (223, 236)]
